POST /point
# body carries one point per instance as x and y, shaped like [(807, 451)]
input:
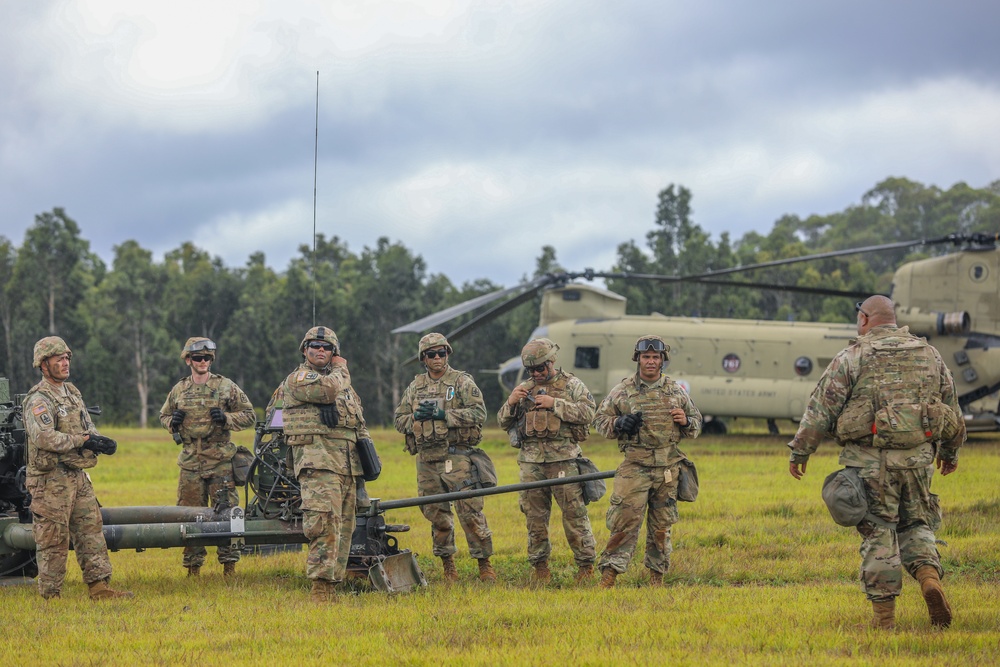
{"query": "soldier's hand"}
[(946, 467), (628, 424), (100, 444), (516, 396), (177, 419), (218, 416), (425, 411), (329, 415), (679, 416), (797, 470)]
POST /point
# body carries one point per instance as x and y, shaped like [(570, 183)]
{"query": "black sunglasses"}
[(430, 354), (540, 368), (857, 308), (200, 357), (316, 345)]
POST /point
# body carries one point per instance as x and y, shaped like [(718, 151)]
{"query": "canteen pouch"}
[(371, 465), (900, 426), (242, 460), (487, 472), (687, 481), (593, 490)]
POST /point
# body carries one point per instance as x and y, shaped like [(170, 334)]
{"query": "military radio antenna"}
[(315, 165)]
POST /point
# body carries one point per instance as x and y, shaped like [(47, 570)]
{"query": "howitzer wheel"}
[(18, 565)]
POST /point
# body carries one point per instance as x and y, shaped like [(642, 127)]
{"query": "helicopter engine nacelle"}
[(934, 324)]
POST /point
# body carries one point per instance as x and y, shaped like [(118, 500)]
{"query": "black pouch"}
[(593, 490), (371, 464), (484, 467), (687, 481), (242, 461)]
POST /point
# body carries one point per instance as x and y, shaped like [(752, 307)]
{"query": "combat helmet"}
[(325, 334), (432, 340), (50, 346), (198, 344), (651, 342), (537, 351)]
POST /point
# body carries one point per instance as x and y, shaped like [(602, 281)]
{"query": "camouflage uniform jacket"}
[(323, 447), (204, 441), (659, 436), (551, 435), (57, 423), (848, 393), (457, 394)]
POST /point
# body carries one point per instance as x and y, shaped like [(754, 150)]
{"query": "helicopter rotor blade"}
[(448, 314)]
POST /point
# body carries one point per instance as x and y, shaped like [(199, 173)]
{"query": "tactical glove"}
[(177, 419), (629, 424), (100, 444), (218, 416), (328, 415), (426, 411)]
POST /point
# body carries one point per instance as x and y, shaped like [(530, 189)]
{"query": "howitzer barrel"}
[(163, 535), (491, 491), (116, 516)]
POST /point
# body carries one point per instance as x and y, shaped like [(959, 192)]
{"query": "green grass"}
[(760, 575)]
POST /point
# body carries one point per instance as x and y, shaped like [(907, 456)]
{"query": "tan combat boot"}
[(608, 576), (228, 569), (583, 573), (450, 571), (542, 572), (884, 615), (930, 587), (655, 579), (99, 590), (194, 570), (323, 591), (486, 571)]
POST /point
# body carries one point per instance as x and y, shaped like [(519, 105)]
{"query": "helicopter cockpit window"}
[(803, 366), (588, 357), (571, 295)]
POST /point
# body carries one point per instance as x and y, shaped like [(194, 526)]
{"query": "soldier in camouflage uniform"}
[(890, 402), (201, 411), (62, 444), (323, 421), (649, 414), (552, 412), (441, 414)]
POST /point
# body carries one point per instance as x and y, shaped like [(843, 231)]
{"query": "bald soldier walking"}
[(890, 401), (62, 444), (201, 411)]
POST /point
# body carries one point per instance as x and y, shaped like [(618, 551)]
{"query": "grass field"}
[(760, 575)]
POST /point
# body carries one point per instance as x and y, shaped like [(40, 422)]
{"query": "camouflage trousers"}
[(456, 473), (328, 507), (902, 497), (64, 508), (536, 504), (204, 488), (641, 490)]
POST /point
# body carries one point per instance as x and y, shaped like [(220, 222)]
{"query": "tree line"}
[(126, 323)]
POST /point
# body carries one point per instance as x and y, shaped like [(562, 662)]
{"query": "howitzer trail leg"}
[(884, 615), (930, 588)]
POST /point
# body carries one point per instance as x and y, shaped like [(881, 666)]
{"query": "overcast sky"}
[(476, 132)]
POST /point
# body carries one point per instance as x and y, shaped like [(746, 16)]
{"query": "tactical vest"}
[(896, 401), (655, 404), (302, 418), (197, 401), (544, 424), (444, 392), (69, 416)]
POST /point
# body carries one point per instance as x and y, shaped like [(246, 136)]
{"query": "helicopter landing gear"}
[(713, 426), (772, 427)]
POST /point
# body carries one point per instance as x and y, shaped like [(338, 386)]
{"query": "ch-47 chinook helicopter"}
[(757, 368)]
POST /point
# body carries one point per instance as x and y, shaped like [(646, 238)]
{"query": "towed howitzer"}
[(272, 515)]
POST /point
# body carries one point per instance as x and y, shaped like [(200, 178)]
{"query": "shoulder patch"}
[(475, 392), (39, 409)]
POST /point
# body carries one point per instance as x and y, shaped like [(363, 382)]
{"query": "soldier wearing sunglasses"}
[(201, 411), (441, 413)]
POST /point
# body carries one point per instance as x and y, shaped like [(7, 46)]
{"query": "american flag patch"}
[(39, 409), (300, 376)]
